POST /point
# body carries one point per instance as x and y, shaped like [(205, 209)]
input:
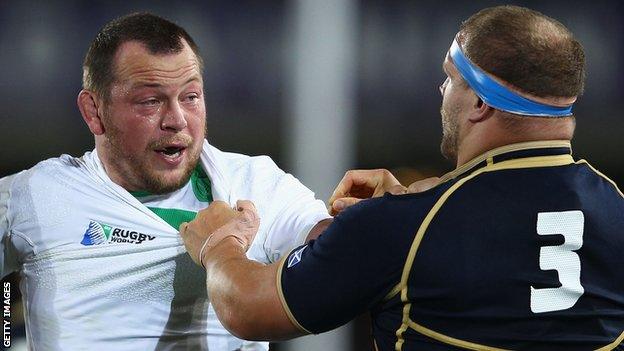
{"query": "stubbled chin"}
[(166, 181)]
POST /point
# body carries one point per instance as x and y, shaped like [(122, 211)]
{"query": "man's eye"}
[(192, 97), (150, 102)]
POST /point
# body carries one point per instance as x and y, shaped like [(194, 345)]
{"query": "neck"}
[(497, 132)]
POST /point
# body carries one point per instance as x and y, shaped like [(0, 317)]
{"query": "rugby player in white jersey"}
[(95, 239)]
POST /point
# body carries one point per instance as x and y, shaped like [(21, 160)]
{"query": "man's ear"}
[(88, 104), (480, 111)]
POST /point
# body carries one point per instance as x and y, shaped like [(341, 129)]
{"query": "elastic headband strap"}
[(497, 95)]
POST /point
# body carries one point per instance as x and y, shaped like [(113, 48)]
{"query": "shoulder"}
[(58, 169), (393, 218), (390, 207), (232, 162), (42, 184), (244, 175), (591, 171)]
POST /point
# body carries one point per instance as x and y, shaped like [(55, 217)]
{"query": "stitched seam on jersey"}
[(602, 175), (280, 293), (395, 290), (450, 340), (530, 162), (502, 150), (11, 232), (23, 236)]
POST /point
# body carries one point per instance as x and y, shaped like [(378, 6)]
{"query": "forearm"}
[(244, 294)]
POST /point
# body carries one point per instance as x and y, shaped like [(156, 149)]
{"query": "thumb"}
[(342, 203), (182, 228), (423, 185), (397, 190)]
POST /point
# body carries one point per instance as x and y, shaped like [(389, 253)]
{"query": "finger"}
[(215, 207), (387, 183), (217, 212), (182, 228), (342, 188), (343, 203), (219, 205), (423, 185), (367, 178), (397, 190)]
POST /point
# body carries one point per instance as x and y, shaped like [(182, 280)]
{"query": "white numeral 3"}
[(561, 258)]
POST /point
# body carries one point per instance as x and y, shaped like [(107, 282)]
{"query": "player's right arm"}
[(317, 287), (243, 292)]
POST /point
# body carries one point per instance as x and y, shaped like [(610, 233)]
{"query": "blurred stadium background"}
[(321, 86)]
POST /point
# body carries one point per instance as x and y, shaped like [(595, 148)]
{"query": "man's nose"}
[(443, 86), (174, 118)]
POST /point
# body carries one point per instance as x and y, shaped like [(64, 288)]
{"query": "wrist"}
[(210, 246), (226, 249)]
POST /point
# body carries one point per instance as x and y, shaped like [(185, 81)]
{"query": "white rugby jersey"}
[(100, 271)]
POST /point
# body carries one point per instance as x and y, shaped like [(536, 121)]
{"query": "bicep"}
[(331, 280)]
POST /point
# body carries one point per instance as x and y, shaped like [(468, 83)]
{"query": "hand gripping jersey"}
[(101, 271), (520, 249)]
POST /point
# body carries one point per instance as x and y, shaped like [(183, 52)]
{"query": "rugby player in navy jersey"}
[(520, 247)]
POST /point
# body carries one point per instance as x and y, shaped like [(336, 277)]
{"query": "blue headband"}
[(497, 95)]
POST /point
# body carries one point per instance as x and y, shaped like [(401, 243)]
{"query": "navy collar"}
[(511, 152)]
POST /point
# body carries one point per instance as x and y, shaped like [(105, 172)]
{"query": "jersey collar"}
[(511, 152)]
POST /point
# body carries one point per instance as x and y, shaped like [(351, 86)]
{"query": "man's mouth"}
[(171, 152)]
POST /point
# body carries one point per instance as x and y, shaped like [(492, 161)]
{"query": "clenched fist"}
[(217, 222)]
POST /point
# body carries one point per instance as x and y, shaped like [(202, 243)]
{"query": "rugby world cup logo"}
[(96, 234), (99, 233)]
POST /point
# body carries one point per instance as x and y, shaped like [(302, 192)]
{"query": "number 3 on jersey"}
[(561, 258)]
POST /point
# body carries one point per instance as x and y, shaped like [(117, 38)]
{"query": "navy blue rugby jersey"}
[(520, 249)]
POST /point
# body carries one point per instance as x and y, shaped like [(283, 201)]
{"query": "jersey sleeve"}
[(350, 268), (296, 212)]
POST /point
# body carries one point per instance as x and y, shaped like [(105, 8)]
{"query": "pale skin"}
[(470, 128), (150, 132)]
